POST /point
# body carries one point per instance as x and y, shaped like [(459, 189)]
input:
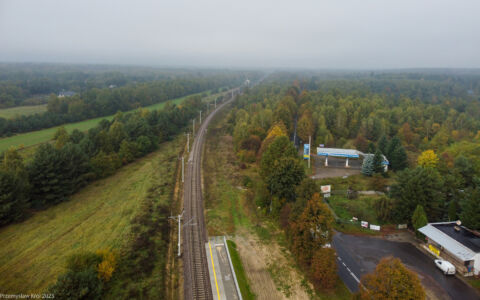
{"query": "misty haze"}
[(240, 149)]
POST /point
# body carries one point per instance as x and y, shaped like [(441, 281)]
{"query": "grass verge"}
[(240, 272), (33, 253)]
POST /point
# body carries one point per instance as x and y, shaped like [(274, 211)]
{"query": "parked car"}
[(446, 267)]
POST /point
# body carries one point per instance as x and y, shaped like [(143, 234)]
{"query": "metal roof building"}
[(346, 153), (337, 152), (457, 241)]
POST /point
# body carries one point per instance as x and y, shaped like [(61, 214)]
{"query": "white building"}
[(455, 243)]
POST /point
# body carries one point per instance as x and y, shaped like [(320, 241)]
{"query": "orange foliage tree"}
[(391, 280), (323, 271), (313, 229)]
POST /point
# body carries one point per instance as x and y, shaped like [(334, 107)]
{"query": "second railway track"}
[(195, 268)]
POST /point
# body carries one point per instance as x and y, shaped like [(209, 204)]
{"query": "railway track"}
[(195, 267)]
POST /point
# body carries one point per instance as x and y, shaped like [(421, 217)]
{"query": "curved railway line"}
[(195, 267)]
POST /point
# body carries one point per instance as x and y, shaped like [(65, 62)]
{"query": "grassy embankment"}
[(41, 136), (240, 271), (10, 113), (231, 210), (32, 253)]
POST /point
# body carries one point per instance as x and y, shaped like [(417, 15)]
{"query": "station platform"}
[(222, 275)]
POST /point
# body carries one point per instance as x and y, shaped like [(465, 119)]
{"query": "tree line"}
[(30, 83), (57, 170), (95, 102)]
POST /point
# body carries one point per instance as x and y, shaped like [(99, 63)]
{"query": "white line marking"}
[(349, 271)]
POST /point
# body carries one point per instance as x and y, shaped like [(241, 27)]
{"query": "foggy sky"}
[(244, 33)]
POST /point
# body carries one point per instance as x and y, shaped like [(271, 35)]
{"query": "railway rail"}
[(195, 267)]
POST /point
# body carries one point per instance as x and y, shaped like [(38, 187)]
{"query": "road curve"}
[(195, 267)]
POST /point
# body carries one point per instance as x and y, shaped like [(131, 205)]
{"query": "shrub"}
[(107, 266), (83, 261), (77, 285)]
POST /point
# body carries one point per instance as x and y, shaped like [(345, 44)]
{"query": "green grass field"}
[(361, 207), (9, 113), (33, 253), (41, 136)]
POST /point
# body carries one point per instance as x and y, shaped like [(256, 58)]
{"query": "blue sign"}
[(306, 151)]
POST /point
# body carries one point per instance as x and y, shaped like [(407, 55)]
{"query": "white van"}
[(446, 267)]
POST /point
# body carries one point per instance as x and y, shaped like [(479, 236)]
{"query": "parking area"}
[(336, 167), (359, 255)]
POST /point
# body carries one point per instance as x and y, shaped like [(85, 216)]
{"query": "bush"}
[(247, 181), (383, 209), (107, 266), (83, 261), (77, 285)]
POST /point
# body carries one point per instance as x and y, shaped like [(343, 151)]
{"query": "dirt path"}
[(270, 273)]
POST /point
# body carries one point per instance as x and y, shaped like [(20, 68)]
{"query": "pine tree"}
[(382, 145), (418, 186), (367, 166), (419, 219), (371, 148), (398, 160), (45, 179), (392, 146), (377, 162), (12, 198), (470, 215), (452, 210)]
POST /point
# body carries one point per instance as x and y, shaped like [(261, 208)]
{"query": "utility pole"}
[(179, 219), (208, 107), (183, 168), (309, 149), (200, 117), (193, 132), (215, 103), (188, 142)]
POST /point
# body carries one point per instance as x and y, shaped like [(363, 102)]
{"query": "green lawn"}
[(361, 208), (44, 135), (32, 253), (240, 272), (9, 113)]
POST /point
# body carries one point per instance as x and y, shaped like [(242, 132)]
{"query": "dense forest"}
[(108, 93), (428, 127)]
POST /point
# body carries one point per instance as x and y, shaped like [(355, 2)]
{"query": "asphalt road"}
[(357, 256)]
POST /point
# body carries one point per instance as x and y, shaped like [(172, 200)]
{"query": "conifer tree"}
[(367, 166)]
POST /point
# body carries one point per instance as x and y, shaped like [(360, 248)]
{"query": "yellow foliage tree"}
[(428, 159), (107, 266), (277, 129), (305, 127), (391, 280)]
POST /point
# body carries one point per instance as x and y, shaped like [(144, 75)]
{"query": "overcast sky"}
[(244, 33)]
